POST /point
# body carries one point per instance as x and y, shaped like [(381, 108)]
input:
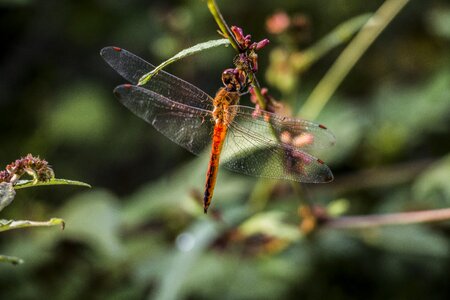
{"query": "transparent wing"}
[(258, 143), (132, 68), (187, 126), (298, 133), (251, 147)]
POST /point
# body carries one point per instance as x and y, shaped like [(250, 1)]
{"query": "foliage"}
[(141, 233), (182, 54), (42, 174)]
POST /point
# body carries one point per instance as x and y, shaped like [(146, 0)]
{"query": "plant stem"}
[(225, 29), (348, 58), (222, 24), (257, 89), (389, 219)]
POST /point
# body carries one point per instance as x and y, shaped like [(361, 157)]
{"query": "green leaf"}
[(182, 54), (21, 184), (11, 259), (94, 218), (12, 224), (7, 194)]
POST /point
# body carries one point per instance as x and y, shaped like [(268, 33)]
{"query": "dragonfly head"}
[(234, 80)]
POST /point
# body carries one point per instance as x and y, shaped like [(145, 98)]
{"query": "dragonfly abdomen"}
[(220, 131)]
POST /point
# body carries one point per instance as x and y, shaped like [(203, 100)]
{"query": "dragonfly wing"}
[(298, 133), (187, 126), (132, 68), (252, 148)]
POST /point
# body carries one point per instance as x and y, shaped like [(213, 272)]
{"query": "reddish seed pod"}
[(261, 44), (238, 34)]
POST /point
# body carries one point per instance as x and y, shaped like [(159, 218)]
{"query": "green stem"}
[(257, 88), (348, 58), (213, 8), (225, 29), (222, 24)]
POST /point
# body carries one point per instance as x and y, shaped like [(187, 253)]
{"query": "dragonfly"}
[(243, 139)]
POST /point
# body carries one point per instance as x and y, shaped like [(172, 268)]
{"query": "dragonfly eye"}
[(234, 80)]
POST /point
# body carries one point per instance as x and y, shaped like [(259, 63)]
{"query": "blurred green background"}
[(139, 233)]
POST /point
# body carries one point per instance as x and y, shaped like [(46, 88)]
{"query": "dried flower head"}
[(38, 168), (245, 42), (245, 62)]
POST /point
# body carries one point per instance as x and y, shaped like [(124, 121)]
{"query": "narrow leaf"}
[(182, 54), (21, 184), (339, 35), (12, 224), (11, 259)]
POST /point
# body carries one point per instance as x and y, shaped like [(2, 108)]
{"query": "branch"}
[(355, 222)]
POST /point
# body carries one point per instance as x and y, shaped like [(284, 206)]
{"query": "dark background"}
[(139, 232)]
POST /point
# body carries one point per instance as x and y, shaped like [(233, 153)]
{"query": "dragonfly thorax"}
[(226, 98), (221, 103)]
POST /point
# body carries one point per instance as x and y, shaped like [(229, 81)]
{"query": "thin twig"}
[(348, 58), (389, 219)]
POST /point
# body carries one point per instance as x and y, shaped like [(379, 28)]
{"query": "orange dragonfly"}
[(247, 141)]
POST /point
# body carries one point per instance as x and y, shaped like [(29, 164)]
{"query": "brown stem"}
[(389, 219)]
